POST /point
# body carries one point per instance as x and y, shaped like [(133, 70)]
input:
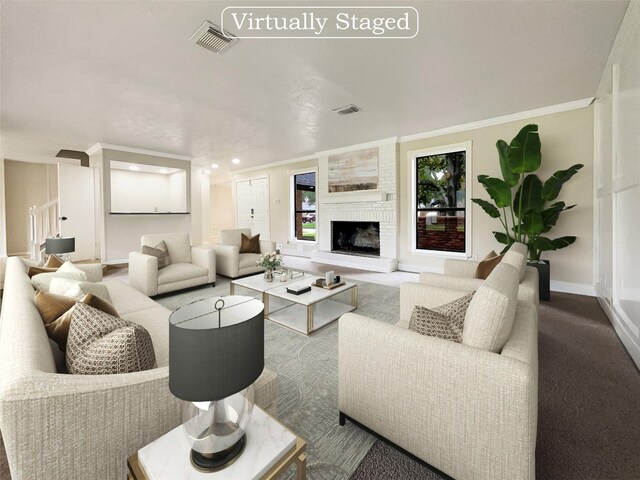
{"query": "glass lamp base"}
[(219, 460)]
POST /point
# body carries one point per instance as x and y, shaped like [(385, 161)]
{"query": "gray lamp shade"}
[(215, 353), (60, 245)]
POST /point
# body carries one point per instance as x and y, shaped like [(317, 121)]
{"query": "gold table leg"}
[(232, 288), (301, 467), (354, 297), (309, 319)]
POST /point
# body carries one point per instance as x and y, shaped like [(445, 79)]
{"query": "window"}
[(304, 206), (440, 217)]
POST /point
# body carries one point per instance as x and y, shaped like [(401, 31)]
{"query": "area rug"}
[(307, 368), (589, 402)]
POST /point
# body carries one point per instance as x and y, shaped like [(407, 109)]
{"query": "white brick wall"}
[(385, 212)]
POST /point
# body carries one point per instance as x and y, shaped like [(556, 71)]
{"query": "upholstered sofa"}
[(468, 411), (61, 426), (189, 267), (230, 262), (459, 275)]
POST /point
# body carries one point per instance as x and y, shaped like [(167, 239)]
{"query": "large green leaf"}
[(524, 150), (531, 193), (552, 187), (497, 189), (532, 223), (550, 215), (503, 238), (503, 152), (488, 207), (563, 242), (543, 243)]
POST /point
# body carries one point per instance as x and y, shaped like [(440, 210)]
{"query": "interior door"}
[(260, 206), (76, 193), (243, 204)]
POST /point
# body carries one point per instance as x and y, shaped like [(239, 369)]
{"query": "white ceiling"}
[(125, 73)]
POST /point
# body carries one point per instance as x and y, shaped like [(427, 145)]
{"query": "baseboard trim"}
[(630, 343), (570, 287)]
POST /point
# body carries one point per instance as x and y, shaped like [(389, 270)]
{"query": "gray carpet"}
[(307, 369), (589, 402)]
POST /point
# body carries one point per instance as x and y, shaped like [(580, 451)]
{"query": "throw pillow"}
[(160, 251), (487, 264), (102, 344), (249, 245), (445, 321), (70, 287), (68, 270), (56, 311), (53, 262), (36, 270)]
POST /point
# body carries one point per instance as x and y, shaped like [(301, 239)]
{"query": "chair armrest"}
[(451, 282), (143, 273), (427, 394), (267, 246), (227, 260), (460, 268), (71, 417), (412, 294), (205, 257)]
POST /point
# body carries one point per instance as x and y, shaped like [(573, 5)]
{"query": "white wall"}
[(617, 185), (221, 210)]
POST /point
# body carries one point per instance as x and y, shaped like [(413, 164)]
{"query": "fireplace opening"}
[(356, 238)]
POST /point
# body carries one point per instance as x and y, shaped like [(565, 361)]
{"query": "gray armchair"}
[(230, 262)]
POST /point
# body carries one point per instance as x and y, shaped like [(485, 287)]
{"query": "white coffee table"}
[(303, 313), (270, 450)]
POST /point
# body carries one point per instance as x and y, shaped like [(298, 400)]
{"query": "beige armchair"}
[(469, 411), (230, 262), (458, 275), (190, 266)]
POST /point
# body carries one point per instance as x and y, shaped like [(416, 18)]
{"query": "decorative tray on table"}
[(321, 283)]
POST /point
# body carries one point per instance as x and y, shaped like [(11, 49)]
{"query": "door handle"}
[(252, 211)]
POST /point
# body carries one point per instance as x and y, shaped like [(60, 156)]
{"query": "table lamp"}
[(60, 246), (216, 352)]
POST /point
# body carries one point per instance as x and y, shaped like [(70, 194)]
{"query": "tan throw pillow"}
[(53, 262), (445, 321), (487, 264), (160, 251), (36, 270), (249, 245), (56, 311), (102, 344)]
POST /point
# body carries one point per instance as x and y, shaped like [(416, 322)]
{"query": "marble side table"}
[(270, 450)]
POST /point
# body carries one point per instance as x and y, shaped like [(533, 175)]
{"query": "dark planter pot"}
[(544, 271)]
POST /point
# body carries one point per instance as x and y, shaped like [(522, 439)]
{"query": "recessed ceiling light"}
[(164, 170), (133, 167), (236, 161), (214, 165)]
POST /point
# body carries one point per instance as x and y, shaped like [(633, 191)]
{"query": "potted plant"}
[(522, 202)]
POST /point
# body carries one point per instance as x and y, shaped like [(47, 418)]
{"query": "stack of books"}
[(298, 289)]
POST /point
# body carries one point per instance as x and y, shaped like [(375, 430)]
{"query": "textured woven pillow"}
[(160, 251), (101, 344), (487, 264), (56, 311), (445, 321), (70, 287), (249, 245)]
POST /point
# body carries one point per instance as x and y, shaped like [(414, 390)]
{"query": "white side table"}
[(270, 450)]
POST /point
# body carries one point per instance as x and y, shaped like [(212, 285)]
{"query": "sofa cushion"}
[(177, 272), (42, 281), (160, 251), (178, 245), (249, 245), (101, 344), (445, 321), (490, 315), (73, 288), (517, 256), (248, 260), (233, 236), (487, 264), (56, 311)]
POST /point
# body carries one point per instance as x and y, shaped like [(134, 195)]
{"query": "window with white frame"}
[(304, 206), (440, 199)]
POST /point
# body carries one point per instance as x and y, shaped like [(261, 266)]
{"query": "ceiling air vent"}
[(347, 109), (212, 38)]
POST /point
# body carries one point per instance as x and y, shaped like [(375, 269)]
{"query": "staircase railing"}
[(44, 221)]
